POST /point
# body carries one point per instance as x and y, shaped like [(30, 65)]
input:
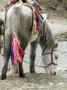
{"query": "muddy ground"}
[(57, 21)]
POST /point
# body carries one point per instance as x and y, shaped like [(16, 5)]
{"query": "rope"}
[(38, 65), (35, 64), (49, 63)]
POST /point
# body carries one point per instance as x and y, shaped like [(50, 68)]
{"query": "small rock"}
[(61, 84), (50, 83)]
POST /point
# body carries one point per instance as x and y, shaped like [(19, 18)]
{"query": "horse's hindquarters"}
[(18, 20)]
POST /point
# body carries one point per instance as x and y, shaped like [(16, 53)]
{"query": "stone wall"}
[(56, 3), (61, 4)]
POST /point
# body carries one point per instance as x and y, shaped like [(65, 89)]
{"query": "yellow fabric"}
[(35, 15)]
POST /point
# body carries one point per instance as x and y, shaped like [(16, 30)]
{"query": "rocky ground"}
[(35, 82)]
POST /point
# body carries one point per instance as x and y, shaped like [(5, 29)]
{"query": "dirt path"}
[(35, 82)]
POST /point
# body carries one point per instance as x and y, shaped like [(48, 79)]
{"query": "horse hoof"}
[(32, 71), (54, 73), (3, 77), (22, 75)]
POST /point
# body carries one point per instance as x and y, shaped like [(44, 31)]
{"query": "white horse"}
[(19, 20)]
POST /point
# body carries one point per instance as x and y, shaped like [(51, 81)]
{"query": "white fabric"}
[(45, 16)]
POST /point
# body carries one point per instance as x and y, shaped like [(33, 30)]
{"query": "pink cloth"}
[(17, 53), (13, 1)]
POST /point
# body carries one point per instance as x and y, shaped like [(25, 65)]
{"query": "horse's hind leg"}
[(21, 72), (7, 51), (4, 70), (33, 55), (5, 67)]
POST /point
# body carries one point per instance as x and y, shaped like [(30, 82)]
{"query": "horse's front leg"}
[(33, 55)]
